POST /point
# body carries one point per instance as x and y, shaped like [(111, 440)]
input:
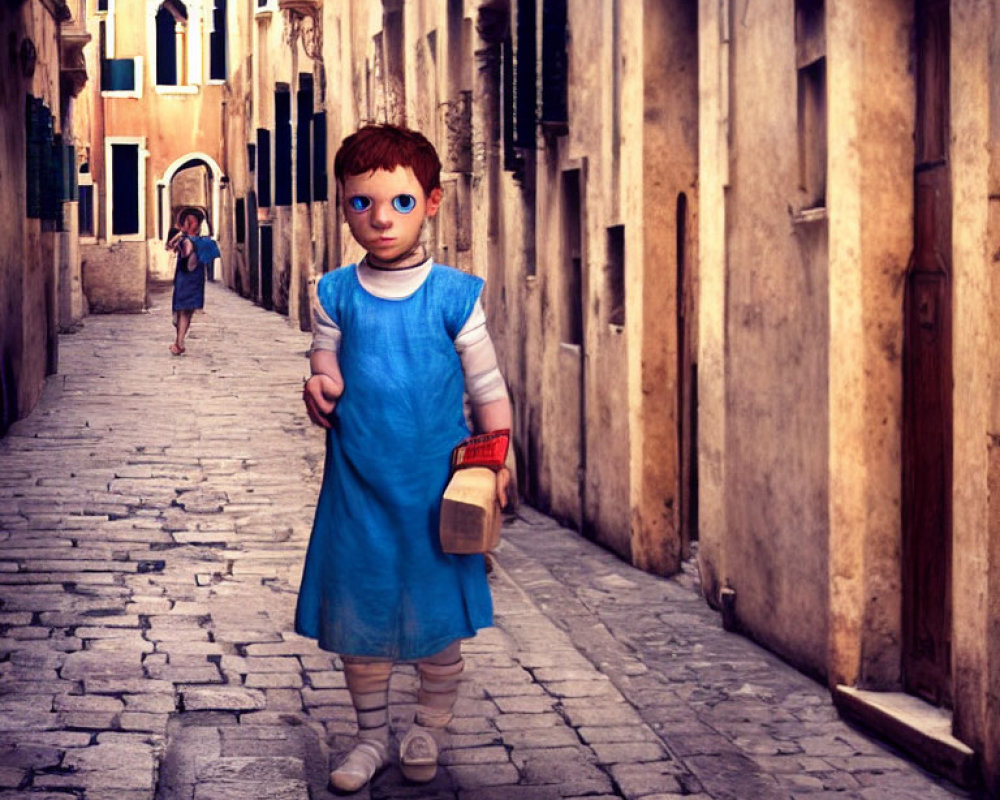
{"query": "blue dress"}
[(189, 285), (375, 581)]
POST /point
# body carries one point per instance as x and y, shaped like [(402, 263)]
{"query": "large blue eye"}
[(404, 203), (359, 203)]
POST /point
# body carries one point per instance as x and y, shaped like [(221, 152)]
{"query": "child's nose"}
[(381, 215)]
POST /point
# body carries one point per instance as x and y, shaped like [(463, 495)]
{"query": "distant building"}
[(150, 139)]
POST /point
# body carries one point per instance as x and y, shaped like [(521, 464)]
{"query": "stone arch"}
[(171, 196)]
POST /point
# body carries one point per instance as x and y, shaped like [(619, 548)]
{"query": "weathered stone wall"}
[(29, 249), (776, 359), (114, 277), (975, 354)]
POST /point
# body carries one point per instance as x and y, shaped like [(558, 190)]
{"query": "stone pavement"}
[(154, 513)]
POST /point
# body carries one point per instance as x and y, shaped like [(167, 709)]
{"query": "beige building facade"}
[(39, 259), (739, 273), (848, 393), (733, 282), (149, 138)]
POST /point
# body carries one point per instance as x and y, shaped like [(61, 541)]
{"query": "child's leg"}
[(368, 683), (439, 678)]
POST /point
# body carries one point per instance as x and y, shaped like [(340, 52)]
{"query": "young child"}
[(398, 340), (194, 254)]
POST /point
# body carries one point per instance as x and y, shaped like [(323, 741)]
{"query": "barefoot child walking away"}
[(398, 341)]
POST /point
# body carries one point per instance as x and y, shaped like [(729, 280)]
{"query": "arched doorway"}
[(192, 180)]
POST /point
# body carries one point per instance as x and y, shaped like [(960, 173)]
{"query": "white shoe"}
[(360, 766), (418, 755)]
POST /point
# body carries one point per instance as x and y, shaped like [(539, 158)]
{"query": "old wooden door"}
[(927, 377), (687, 381)]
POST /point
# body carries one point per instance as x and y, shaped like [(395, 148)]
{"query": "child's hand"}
[(503, 484), (320, 394)]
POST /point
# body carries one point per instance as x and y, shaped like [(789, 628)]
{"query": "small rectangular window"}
[(102, 5), (125, 189), (810, 62), (43, 159), (282, 146), (118, 75), (85, 210), (555, 66), (263, 167), (525, 77), (319, 177), (303, 146), (217, 43), (572, 266), (616, 275), (241, 220)]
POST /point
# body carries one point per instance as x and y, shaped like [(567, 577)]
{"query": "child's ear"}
[(434, 201)]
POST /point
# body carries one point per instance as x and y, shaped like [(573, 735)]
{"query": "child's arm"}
[(485, 385), (326, 384)]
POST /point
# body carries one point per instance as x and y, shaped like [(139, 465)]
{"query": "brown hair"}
[(387, 147)]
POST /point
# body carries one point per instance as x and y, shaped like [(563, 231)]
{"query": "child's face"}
[(386, 211)]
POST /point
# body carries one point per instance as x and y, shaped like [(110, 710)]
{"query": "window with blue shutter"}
[(118, 75)]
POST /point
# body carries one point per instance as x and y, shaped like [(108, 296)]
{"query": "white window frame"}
[(137, 79), (86, 179), (193, 39), (109, 142), (109, 27), (209, 30)]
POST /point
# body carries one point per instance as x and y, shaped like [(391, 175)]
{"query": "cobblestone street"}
[(154, 514)]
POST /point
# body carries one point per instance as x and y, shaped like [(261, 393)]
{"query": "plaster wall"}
[(776, 360), (713, 179), (112, 283), (28, 248), (991, 753), (975, 351), (669, 170), (871, 238)]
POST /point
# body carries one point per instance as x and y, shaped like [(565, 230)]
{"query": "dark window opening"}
[(395, 46), (124, 189), (241, 220), (572, 329), (43, 162), (810, 62), (166, 47), (266, 267), (303, 145), (85, 210), (282, 146), (161, 192), (510, 159), (263, 167), (525, 69), (555, 67), (616, 275), (102, 5), (319, 177), (217, 45)]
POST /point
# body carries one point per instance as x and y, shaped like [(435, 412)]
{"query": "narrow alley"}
[(154, 512)]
